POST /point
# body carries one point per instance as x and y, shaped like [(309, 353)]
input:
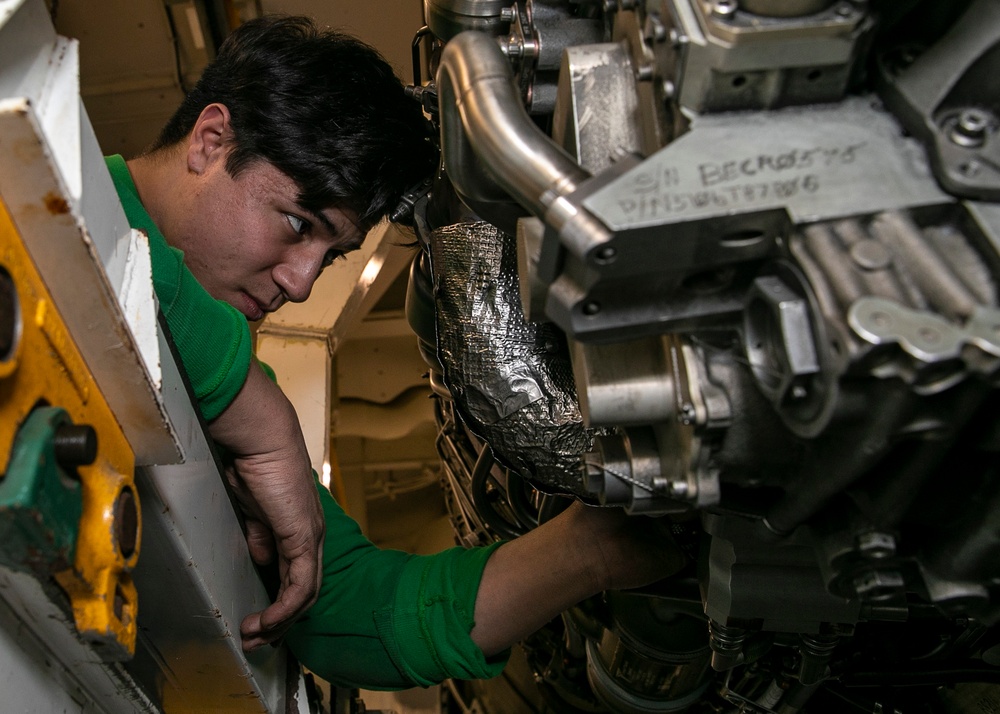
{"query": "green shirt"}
[(384, 619)]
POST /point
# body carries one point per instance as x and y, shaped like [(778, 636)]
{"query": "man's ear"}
[(209, 137)]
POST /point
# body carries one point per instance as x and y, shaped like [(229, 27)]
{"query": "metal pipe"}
[(492, 149), (481, 498), (930, 271)]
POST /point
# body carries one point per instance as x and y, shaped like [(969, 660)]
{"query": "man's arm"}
[(582, 552), (273, 482)]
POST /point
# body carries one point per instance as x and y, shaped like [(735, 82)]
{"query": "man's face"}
[(249, 242)]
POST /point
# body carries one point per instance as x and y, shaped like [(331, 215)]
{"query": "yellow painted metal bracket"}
[(40, 366)]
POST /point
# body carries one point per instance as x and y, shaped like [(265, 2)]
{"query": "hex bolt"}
[(8, 315), (75, 445), (970, 128), (126, 522)]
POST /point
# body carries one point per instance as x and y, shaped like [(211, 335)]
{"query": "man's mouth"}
[(251, 308)]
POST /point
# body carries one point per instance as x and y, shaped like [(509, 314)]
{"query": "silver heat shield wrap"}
[(511, 379)]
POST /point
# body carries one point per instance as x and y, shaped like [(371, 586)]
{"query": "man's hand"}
[(272, 480), (579, 553)]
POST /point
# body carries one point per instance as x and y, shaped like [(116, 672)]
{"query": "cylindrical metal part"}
[(929, 270), (727, 645), (874, 261), (653, 659), (75, 445), (447, 18), (483, 123), (624, 383), (825, 248), (816, 651), (772, 695)]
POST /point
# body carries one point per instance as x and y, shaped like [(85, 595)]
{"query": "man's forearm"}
[(273, 482), (580, 553)]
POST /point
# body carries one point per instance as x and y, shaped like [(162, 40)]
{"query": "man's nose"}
[(297, 276)]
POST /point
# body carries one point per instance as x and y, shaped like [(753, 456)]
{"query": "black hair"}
[(323, 107)]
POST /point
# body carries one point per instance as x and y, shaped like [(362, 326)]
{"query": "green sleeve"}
[(390, 620), (211, 336)]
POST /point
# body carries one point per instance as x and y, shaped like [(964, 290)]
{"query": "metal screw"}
[(799, 392), (605, 254), (126, 522), (644, 72), (724, 9), (678, 489), (654, 29), (591, 308), (513, 47), (507, 14), (971, 128), (669, 89), (674, 37), (75, 445), (688, 414)]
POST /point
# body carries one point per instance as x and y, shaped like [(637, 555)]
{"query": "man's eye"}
[(331, 255), (298, 225)]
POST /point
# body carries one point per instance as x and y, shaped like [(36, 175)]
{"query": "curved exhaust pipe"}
[(492, 149)]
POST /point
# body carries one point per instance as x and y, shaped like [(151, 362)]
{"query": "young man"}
[(293, 144)]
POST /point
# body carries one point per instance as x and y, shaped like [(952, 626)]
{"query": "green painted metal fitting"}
[(40, 503)]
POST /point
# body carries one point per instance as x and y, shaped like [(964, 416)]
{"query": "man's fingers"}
[(297, 594), (260, 541), (300, 584)]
